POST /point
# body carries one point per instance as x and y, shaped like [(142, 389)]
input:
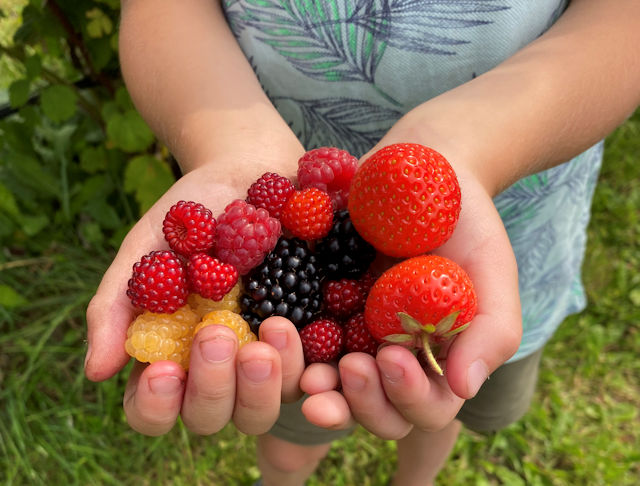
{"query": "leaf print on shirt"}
[(351, 124), (346, 40)]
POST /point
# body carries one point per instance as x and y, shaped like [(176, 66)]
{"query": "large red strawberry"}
[(405, 200), (421, 302)]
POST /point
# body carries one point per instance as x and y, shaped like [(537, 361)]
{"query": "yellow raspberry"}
[(154, 337), (233, 321), (202, 306)]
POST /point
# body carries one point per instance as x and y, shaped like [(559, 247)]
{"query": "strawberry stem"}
[(431, 359)]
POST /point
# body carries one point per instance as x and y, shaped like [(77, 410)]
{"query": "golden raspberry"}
[(154, 337), (233, 321), (202, 306)]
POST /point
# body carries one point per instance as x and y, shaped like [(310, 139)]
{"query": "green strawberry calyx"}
[(426, 337)]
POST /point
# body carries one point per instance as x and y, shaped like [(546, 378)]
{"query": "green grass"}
[(57, 428)]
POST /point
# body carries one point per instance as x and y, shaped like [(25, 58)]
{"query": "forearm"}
[(547, 103), (192, 84)]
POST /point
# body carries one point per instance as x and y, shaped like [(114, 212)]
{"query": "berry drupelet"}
[(287, 283)]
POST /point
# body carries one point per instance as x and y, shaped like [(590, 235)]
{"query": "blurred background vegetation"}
[(78, 166)]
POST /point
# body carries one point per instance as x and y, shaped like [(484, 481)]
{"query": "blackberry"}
[(343, 253), (287, 283)]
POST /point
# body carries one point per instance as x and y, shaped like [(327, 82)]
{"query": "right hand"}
[(246, 385)]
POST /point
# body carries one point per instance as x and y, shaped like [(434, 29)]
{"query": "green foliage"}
[(74, 152)]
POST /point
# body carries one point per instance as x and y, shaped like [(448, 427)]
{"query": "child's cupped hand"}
[(393, 392), (224, 383)]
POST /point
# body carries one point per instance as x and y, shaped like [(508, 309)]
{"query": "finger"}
[(259, 388), (153, 397), (211, 384), (110, 311), (319, 378), (283, 336), (494, 334), (424, 400), (328, 410), (366, 397)]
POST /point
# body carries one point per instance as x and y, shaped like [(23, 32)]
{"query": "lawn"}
[(57, 428)]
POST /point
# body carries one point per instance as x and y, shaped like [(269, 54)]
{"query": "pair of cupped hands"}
[(247, 385)]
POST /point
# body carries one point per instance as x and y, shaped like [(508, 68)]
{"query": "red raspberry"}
[(209, 277), (357, 337), (245, 234), (322, 341), (329, 169), (344, 297), (189, 228), (270, 192), (367, 281), (308, 214), (159, 283)]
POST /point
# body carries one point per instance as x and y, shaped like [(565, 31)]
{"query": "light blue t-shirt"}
[(342, 72)]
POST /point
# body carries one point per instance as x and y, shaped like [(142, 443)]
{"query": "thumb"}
[(110, 311)]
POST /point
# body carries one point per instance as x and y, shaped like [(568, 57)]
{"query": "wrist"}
[(250, 152), (243, 164)]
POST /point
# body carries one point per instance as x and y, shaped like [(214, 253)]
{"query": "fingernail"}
[(165, 385), (477, 374), (353, 381), (217, 350), (257, 370), (277, 339), (391, 371)]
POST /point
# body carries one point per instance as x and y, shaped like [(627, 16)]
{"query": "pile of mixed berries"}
[(305, 250)]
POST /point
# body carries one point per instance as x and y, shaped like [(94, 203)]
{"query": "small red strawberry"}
[(357, 337), (209, 277), (308, 214), (271, 191), (329, 169), (405, 200), (344, 297), (322, 341), (158, 282), (189, 228), (420, 302)]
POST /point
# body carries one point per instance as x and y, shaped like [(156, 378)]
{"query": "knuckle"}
[(211, 394)]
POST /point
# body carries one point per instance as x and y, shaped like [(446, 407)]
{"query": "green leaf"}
[(33, 66), (93, 159), (399, 338), (634, 296), (101, 51), (123, 99), (99, 24), (58, 102), (103, 213), (92, 233), (31, 173), (445, 325), (9, 298), (32, 225), (129, 132), (8, 202), (147, 178), (7, 226), (19, 92)]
